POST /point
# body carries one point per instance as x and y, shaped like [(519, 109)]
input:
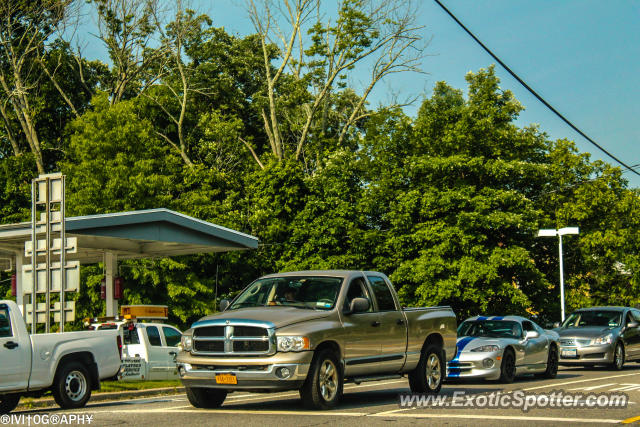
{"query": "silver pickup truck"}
[(311, 331)]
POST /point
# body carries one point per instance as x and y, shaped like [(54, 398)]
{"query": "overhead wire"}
[(534, 93)]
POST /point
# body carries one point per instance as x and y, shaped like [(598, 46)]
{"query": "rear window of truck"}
[(382, 294), (5, 323)]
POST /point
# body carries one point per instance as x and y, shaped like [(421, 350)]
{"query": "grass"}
[(110, 386)]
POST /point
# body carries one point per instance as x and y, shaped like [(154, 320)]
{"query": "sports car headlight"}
[(186, 343), (486, 348), (606, 339), (293, 343)]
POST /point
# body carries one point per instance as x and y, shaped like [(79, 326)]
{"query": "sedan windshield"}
[(307, 292), (490, 328), (603, 318)]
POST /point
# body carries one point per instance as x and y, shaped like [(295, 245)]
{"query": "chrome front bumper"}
[(587, 355), (472, 365), (264, 374)]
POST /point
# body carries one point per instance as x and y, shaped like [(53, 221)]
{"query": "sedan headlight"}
[(486, 348), (186, 343), (606, 339), (293, 343)]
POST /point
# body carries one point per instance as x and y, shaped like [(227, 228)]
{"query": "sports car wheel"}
[(618, 357), (552, 364), (508, 367)]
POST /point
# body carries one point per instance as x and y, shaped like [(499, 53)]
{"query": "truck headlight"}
[(606, 339), (186, 343), (486, 348), (293, 343)]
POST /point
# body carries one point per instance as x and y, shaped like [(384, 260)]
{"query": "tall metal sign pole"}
[(52, 276)]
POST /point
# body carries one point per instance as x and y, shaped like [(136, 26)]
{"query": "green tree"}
[(455, 191)]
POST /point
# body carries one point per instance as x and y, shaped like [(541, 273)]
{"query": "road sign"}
[(71, 246), (41, 312), (72, 276)]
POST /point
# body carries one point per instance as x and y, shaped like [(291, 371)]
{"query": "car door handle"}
[(376, 323), (11, 345), (400, 321)]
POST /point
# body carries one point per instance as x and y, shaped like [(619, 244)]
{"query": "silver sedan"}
[(503, 347)]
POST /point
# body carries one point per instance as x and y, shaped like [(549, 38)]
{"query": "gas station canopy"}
[(138, 234), (111, 237)]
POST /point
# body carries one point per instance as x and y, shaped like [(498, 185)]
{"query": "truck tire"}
[(428, 375), (552, 364), (324, 384), (8, 402), (72, 386), (508, 367), (207, 398)]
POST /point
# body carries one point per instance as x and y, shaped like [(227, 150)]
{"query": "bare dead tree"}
[(128, 28), (25, 28), (377, 34), (174, 76), (266, 25)]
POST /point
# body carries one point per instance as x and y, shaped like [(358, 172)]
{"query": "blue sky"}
[(582, 56)]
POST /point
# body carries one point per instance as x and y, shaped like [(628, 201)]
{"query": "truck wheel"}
[(508, 367), (552, 364), (428, 375), (323, 387), (71, 386), (618, 357), (8, 402), (207, 398)]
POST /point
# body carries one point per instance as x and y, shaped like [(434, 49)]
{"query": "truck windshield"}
[(306, 292), (490, 328), (603, 318)]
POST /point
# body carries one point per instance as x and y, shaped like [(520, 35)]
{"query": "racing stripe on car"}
[(482, 318), (497, 318), (459, 347)]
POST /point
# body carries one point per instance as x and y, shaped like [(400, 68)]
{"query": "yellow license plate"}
[(226, 379)]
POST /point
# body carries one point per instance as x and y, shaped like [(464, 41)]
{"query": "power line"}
[(534, 93)]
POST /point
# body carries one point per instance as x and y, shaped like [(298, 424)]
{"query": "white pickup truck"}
[(69, 364)]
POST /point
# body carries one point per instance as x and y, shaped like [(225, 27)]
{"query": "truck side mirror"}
[(224, 304), (359, 305)]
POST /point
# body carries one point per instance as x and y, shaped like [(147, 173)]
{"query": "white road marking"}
[(385, 414), (498, 417), (579, 381), (238, 412), (627, 387), (594, 387), (349, 387)]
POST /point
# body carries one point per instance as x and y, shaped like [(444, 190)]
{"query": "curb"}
[(102, 397)]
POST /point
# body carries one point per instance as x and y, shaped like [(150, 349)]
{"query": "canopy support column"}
[(111, 271)]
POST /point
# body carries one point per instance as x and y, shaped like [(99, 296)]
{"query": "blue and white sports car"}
[(502, 347)]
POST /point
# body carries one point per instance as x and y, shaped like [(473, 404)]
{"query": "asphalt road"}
[(376, 403)]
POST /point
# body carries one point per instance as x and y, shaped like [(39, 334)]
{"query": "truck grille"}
[(231, 338)]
